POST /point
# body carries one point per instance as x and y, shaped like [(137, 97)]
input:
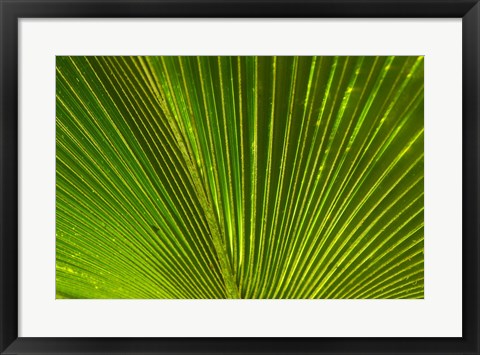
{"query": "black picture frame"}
[(12, 10)]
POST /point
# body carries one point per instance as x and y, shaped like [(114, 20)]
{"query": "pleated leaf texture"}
[(254, 177)]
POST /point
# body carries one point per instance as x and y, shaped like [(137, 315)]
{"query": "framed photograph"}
[(239, 177)]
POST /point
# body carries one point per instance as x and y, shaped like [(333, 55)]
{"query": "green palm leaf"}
[(239, 177)]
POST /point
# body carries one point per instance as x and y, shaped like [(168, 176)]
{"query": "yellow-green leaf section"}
[(239, 177)]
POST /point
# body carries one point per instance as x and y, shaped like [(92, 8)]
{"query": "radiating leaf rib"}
[(276, 246)]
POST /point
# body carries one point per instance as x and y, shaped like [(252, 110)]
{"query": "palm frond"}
[(239, 177)]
